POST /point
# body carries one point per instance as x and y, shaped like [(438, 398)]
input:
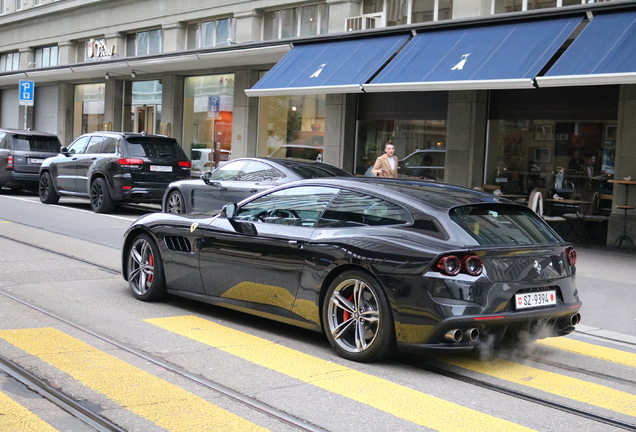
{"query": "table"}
[(580, 216), (522, 198), (625, 207)]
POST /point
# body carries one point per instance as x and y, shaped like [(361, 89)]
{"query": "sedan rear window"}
[(502, 225), (36, 143), (153, 147)]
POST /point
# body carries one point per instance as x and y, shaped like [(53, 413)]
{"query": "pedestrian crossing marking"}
[(550, 382), (15, 418), (153, 398), (590, 350), (384, 395)]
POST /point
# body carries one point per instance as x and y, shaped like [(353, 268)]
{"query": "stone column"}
[(248, 25), (27, 58), (118, 41), (172, 106), (339, 11), (65, 112), (245, 115), (68, 52), (340, 131), (466, 137), (471, 8), (113, 98), (174, 37)]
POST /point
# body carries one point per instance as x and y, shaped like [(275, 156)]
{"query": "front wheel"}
[(101, 201), (357, 318), (46, 190), (145, 269)]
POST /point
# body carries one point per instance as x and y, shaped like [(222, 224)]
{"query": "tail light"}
[(185, 164), (9, 162), (131, 162), (570, 253), (452, 265)]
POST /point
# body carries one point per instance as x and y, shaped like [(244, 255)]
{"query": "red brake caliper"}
[(346, 314), (151, 263)]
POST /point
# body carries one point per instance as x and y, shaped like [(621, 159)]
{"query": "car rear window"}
[(310, 171), (153, 147), (502, 224), (36, 143)]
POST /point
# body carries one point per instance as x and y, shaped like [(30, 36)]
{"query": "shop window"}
[(146, 106), (9, 62), (397, 11), (292, 126), (144, 43), (566, 157), (47, 56), (293, 22), (18, 5), (88, 112), (208, 110), (213, 33), (541, 4)]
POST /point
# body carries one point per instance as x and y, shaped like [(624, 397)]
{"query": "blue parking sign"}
[(27, 92)]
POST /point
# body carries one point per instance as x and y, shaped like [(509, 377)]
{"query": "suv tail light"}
[(131, 162), (570, 253), (9, 162), (452, 265), (185, 164)]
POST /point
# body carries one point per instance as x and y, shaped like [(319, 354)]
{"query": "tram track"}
[(103, 425)]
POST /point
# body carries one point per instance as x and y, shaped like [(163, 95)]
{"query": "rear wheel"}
[(145, 269), (175, 203), (101, 201), (357, 318), (47, 192)]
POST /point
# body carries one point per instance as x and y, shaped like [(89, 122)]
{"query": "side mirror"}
[(64, 150), (229, 210), (206, 176)]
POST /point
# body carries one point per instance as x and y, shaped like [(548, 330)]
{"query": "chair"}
[(588, 214), (535, 203)]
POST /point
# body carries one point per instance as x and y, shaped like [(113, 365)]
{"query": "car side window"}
[(298, 206), (94, 145), (109, 145), (228, 172), (78, 146), (4, 143), (351, 209), (258, 172)]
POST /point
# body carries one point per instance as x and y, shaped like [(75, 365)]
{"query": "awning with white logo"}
[(341, 66), (497, 56), (604, 53)]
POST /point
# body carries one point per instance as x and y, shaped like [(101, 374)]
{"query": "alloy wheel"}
[(141, 266)]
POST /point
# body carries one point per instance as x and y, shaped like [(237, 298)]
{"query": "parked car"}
[(113, 168), (21, 154), (377, 264), (239, 179), (298, 151), (203, 158)]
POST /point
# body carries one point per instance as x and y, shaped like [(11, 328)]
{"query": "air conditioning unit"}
[(362, 22)]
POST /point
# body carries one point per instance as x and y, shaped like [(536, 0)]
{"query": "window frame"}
[(298, 20)]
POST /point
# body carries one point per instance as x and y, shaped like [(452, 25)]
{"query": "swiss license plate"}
[(160, 168), (36, 161), (535, 299)]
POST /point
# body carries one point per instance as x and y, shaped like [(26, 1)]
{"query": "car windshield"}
[(502, 224), (48, 144), (317, 171), (153, 147)]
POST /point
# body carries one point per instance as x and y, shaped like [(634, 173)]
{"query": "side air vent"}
[(178, 244)]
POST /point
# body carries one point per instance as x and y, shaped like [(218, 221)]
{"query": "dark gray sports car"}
[(238, 180), (377, 264)]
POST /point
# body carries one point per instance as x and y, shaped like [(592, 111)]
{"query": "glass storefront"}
[(292, 126), (146, 106), (89, 108), (207, 119)]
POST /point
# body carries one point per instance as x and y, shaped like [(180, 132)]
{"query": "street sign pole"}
[(27, 97)]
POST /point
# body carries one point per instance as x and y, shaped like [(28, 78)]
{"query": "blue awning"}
[(486, 57), (328, 67), (604, 53)]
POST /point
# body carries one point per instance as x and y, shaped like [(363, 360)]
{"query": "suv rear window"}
[(36, 143), (502, 225), (153, 147)]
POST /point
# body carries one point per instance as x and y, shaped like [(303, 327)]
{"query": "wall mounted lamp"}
[(133, 74), (107, 76)]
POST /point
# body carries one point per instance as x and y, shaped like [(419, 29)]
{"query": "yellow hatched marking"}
[(381, 394), (590, 350), (16, 418), (550, 382), (155, 399)]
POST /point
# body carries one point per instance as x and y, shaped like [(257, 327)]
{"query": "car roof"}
[(290, 163), (27, 132), (441, 196), (128, 134)]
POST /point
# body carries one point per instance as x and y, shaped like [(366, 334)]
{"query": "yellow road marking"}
[(553, 383), (157, 400), (16, 418), (381, 394), (590, 350)]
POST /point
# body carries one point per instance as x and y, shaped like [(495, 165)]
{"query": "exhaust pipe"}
[(473, 334), (575, 319), (454, 335)]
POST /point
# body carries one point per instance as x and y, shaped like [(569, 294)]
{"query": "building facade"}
[(524, 117)]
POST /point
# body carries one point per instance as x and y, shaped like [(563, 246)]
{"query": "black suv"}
[(21, 154), (112, 168)]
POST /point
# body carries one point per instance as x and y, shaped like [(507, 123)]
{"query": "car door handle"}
[(253, 190), (296, 244)]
